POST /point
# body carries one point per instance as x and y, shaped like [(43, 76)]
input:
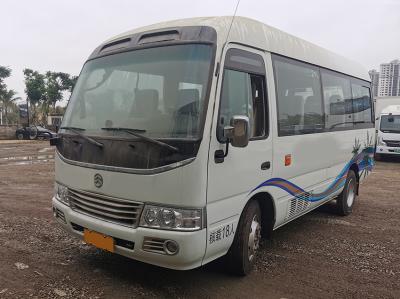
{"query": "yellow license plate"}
[(99, 240)]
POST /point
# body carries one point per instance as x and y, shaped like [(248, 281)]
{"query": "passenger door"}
[(241, 91)]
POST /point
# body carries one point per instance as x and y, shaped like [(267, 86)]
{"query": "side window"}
[(192, 86), (299, 100), (338, 101), (362, 108), (243, 92)]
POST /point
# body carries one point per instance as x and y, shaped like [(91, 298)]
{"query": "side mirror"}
[(238, 133)]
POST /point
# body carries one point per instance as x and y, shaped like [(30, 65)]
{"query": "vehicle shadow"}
[(389, 159), (161, 282), (172, 282), (210, 278)]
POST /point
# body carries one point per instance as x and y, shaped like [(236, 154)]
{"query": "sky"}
[(60, 35)]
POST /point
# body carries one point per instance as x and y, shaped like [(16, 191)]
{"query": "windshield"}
[(160, 91), (390, 123)]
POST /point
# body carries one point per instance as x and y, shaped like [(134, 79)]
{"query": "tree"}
[(5, 72), (45, 90), (56, 83), (34, 88), (8, 98)]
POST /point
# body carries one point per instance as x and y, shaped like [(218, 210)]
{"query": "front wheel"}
[(242, 254), (345, 200)]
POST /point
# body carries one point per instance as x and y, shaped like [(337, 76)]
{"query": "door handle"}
[(265, 165)]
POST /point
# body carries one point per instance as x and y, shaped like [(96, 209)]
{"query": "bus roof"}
[(256, 34)]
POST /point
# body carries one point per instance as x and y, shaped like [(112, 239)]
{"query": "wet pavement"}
[(25, 153)]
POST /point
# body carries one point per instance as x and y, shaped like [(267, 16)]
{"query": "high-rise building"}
[(389, 79), (374, 74)]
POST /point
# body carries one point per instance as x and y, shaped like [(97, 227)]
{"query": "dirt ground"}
[(320, 255)]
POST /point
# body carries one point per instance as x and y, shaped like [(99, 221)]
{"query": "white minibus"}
[(389, 132), (190, 140)]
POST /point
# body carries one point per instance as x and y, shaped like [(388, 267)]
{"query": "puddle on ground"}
[(46, 149), (7, 148), (26, 160)]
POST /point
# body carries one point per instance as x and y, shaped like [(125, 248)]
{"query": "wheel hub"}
[(351, 193), (254, 237)]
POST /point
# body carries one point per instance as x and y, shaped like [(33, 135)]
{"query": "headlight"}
[(171, 218), (380, 141), (61, 193)]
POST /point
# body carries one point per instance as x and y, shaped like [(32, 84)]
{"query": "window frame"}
[(244, 68), (347, 78), (296, 62), (366, 125), (362, 82)]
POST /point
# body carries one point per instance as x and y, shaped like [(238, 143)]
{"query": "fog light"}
[(58, 214), (171, 247)]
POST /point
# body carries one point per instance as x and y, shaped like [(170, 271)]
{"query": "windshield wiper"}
[(78, 131), (136, 133)]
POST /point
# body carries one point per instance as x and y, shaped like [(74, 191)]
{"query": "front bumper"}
[(387, 150), (192, 245)]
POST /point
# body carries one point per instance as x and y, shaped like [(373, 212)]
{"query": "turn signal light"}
[(288, 160)]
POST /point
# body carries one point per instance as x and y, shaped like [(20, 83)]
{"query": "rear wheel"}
[(242, 254), (345, 200), (33, 133)]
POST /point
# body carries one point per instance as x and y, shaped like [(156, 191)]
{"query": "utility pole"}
[(1, 115)]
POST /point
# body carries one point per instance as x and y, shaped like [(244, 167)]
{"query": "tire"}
[(33, 133), (242, 254), (20, 136), (346, 199)]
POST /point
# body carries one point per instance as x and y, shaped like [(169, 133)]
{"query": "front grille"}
[(392, 143), (111, 209)]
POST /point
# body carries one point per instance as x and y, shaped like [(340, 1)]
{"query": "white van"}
[(389, 131), (183, 142)]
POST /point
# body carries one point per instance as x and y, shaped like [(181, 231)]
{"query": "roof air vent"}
[(159, 36), (115, 45)]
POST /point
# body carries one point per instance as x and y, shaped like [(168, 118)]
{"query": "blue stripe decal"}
[(363, 159)]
